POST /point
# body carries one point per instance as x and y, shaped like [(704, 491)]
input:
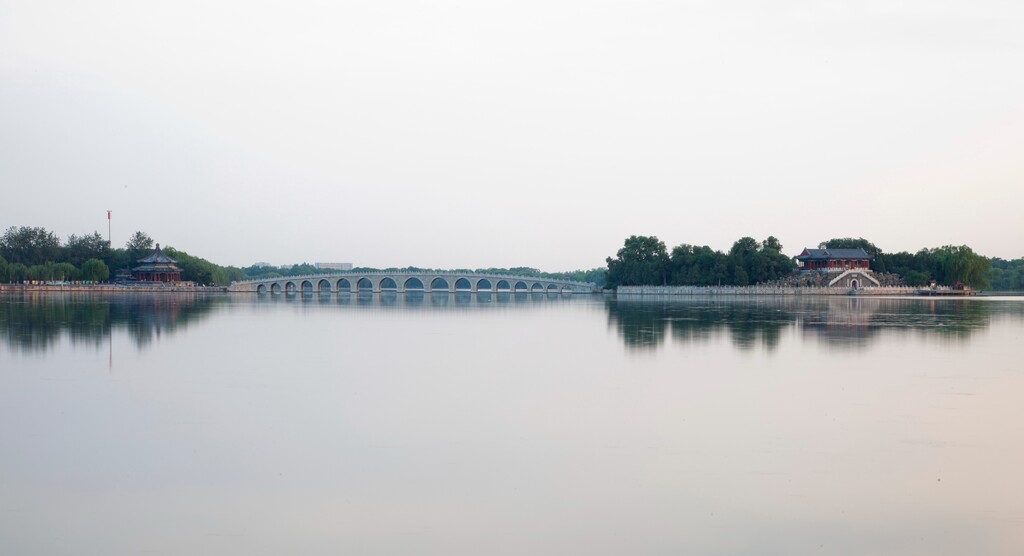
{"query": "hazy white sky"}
[(475, 134)]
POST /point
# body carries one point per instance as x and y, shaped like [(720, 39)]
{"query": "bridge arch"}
[(352, 282)]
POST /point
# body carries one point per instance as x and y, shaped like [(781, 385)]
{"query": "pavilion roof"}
[(857, 253), (157, 257)]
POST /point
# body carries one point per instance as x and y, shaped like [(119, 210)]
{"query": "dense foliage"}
[(946, 265), (202, 271), (37, 254), (1007, 275), (28, 253), (643, 260)]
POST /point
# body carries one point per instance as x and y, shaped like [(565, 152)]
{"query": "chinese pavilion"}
[(157, 267), (833, 260)]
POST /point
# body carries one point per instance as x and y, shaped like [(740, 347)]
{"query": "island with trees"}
[(646, 261)]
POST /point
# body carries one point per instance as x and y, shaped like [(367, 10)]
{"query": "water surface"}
[(509, 424)]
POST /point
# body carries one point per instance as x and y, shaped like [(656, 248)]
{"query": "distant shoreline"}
[(625, 291)]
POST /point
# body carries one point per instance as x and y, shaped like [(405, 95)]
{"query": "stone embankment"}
[(758, 290), (109, 288)]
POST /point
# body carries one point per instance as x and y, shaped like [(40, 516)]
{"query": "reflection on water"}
[(434, 424), (37, 322), (839, 321), (415, 300)]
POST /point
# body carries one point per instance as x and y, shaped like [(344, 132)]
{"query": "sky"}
[(500, 134)]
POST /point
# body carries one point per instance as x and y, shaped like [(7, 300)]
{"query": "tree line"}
[(35, 253), (1007, 275), (645, 260), (946, 265)]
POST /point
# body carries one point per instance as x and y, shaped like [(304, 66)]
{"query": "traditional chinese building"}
[(157, 267), (833, 260), (846, 268)]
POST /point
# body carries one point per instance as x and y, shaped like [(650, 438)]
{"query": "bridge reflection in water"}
[(36, 323), (417, 299)]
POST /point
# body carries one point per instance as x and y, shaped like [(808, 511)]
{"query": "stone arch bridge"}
[(404, 281)]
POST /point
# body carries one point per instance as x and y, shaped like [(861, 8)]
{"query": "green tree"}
[(29, 246), (744, 246), (954, 264), (1007, 275), (64, 272), (95, 270), (738, 274), (851, 243), (79, 249), (38, 272), (739, 259), (17, 272), (138, 245), (772, 243), (643, 260), (777, 264), (202, 271)]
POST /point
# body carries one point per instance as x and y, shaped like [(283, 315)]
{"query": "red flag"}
[(108, 215)]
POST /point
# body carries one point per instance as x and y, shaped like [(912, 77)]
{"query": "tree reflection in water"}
[(851, 322), (38, 321), (645, 324)]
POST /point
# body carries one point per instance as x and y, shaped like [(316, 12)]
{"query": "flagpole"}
[(109, 244)]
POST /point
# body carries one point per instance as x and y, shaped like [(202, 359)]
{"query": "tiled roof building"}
[(157, 267), (833, 259)]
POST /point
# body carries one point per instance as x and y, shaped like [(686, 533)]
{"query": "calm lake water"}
[(458, 424)]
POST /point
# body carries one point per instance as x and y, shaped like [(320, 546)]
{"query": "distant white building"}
[(334, 266)]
